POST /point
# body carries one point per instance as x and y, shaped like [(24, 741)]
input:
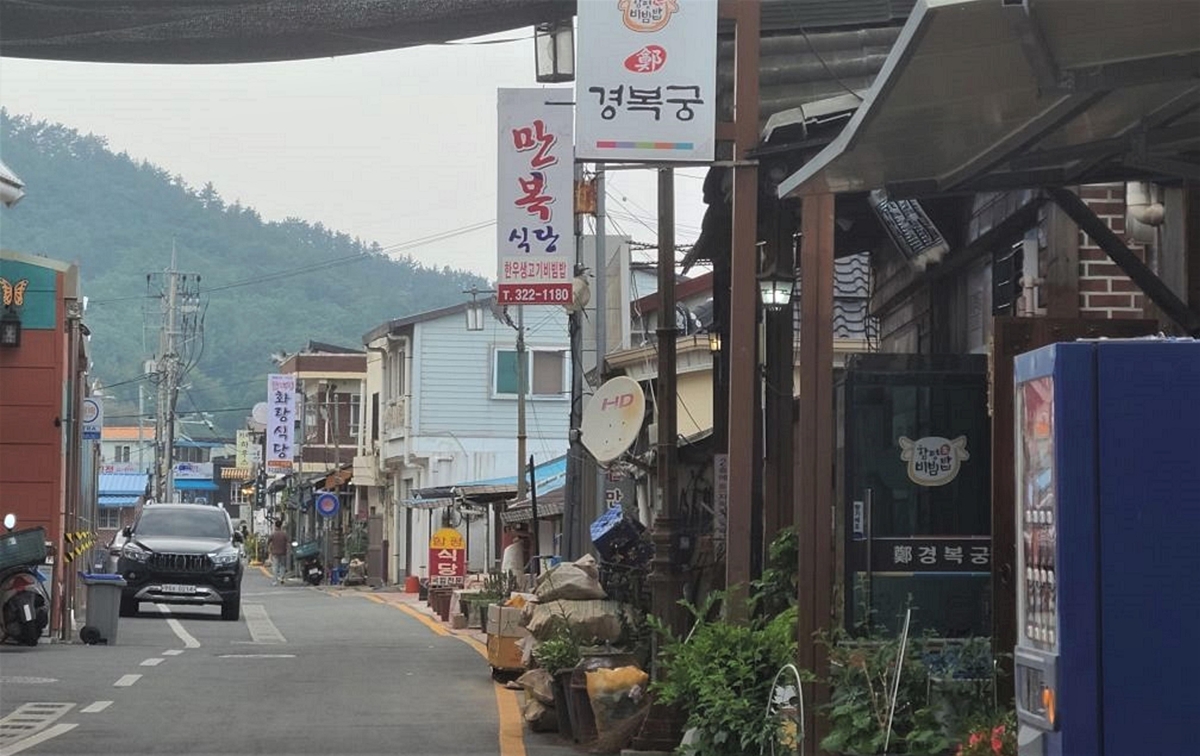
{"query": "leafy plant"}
[(558, 652), (942, 687), (721, 673), (776, 590)]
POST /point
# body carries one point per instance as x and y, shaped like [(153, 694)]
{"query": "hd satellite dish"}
[(613, 418), (259, 413)]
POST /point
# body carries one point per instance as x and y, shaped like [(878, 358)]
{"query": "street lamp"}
[(476, 312), (714, 341), (554, 51), (775, 289)]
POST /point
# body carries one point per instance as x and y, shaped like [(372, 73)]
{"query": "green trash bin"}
[(103, 607)]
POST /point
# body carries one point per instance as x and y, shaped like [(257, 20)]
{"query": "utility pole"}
[(601, 324), (573, 515), (182, 317), (522, 389)]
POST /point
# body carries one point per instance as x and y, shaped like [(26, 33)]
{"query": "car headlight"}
[(134, 552), (225, 557)]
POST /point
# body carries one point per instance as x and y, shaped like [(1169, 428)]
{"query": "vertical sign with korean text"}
[(535, 223), (447, 558), (281, 420), (645, 88), (242, 458)]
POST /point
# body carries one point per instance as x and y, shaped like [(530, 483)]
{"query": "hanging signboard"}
[(281, 421), (93, 419), (447, 558), (645, 89), (535, 223)]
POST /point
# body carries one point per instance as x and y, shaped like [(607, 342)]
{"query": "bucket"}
[(412, 584)]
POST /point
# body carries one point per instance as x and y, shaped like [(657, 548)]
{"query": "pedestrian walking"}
[(277, 548)]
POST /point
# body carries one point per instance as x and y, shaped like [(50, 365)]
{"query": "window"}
[(110, 517), (547, 373), (395, 374), (355, 415), (122, 454)]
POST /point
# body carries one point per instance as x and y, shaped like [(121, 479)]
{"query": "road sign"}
[(328, 504), (447, 558), (93, 418)]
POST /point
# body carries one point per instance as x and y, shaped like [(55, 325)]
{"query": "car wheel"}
[(231, 609), (129, 607)]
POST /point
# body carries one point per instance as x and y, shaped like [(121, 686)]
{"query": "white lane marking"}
[(173, 652), (41, 737), (152, 662), (27, 680), (96, 708), (126, 681), (257, 656), (262, 629), (188, 640)]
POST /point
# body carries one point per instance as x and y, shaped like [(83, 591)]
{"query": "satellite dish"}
[(259, 413), (612, 418)]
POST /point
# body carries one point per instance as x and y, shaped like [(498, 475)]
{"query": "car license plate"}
[(172, 588)]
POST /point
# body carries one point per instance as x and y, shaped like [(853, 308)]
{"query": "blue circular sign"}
[(327, 504)]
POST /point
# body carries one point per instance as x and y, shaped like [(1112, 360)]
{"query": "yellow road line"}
[(512, 724)]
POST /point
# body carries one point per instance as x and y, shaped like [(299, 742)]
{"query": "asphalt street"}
[(304, 671)]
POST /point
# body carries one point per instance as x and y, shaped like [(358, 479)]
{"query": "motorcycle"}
[(24, 604), (308, 561)]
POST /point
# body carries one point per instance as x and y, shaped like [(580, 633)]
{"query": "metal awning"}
[(106, 501), (122, 484), (488, 491), (985, 95)]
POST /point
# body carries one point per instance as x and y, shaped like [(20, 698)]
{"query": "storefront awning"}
[(188, 484), (116, 501), (122, 484), (236, 473), (983, 95), (489, 491)]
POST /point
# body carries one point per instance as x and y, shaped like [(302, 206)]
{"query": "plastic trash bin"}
[(103, 607)]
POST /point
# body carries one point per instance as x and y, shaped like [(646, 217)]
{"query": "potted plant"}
[(995, 735), (721, 673), (558, 655)]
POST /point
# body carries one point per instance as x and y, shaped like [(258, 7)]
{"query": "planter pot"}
[(583, 721), (561, 705)]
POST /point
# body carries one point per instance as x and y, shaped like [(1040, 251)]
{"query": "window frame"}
[(564, 380)]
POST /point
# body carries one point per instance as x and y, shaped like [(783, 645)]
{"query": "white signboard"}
[(281, 421), (645, 88), (535, 222), (93, 418), (192, 471)]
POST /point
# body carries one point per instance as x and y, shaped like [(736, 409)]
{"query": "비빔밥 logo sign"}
[(933, 460)]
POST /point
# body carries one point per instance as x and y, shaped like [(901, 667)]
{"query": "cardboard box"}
[(504, 652), (504, 621)]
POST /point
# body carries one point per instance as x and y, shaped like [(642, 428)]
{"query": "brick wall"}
[(1104, 291)]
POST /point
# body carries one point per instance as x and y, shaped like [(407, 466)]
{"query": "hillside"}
[(269, 287)]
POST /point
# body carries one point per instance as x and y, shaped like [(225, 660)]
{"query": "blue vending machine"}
[(1107, 661)]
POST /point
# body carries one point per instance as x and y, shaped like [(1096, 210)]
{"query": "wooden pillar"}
[(814, 451), (743, 306)]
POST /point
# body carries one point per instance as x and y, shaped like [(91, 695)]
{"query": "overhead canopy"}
[(116, 501), (220, 31), (195, 485), (983, 95), (122, 484), (489, 491)]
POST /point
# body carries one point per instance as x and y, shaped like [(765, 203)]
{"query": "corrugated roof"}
[(114, 484)]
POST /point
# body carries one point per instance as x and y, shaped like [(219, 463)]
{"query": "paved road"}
[(303, 672)]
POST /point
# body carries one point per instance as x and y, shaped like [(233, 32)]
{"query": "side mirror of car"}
[(127, 531)]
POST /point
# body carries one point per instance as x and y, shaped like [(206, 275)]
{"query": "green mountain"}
[(269, 287)]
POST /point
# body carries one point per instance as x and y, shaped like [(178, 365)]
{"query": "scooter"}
[(308, 561), (24, 604)]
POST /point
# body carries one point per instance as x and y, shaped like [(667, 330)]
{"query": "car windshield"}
[(198, 523)]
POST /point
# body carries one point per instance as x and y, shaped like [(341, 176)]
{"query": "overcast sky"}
[(389, 147)]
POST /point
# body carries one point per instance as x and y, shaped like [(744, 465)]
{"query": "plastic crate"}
[(23, 547)]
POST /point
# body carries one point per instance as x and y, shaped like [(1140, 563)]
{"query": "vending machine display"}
[(1108, 522)]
